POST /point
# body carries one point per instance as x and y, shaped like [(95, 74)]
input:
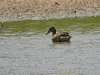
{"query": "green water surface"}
[(82, 25)]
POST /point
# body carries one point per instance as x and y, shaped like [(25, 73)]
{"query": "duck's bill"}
[(47, 32)]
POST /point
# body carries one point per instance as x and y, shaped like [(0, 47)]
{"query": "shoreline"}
[(45, 9), (50, 16)]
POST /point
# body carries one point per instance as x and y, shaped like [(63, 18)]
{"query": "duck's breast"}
[(56, 37)]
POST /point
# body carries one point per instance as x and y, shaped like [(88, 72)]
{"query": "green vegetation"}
[(66, 24)]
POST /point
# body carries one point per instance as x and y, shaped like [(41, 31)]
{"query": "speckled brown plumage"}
[(59, 37)]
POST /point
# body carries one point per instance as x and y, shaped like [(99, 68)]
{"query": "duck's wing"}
[(58, 35), (61, 37), (64, 34)]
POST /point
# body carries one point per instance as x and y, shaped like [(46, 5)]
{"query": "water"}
[(26, 50)]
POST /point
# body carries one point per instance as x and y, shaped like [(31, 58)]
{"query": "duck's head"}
[(52, 29)]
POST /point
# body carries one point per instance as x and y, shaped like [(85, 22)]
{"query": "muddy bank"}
[(46, 9)]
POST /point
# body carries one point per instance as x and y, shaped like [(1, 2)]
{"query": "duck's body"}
[(59, 37)]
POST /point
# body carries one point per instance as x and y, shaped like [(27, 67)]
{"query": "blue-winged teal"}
[(59, 37)]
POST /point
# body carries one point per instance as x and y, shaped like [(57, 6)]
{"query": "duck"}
[(1, 26), (59, 37)]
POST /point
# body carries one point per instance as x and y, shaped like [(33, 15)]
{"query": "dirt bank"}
[(39, 9)]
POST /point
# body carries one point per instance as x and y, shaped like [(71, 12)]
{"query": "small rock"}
[(75, 12), (57, 3)]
